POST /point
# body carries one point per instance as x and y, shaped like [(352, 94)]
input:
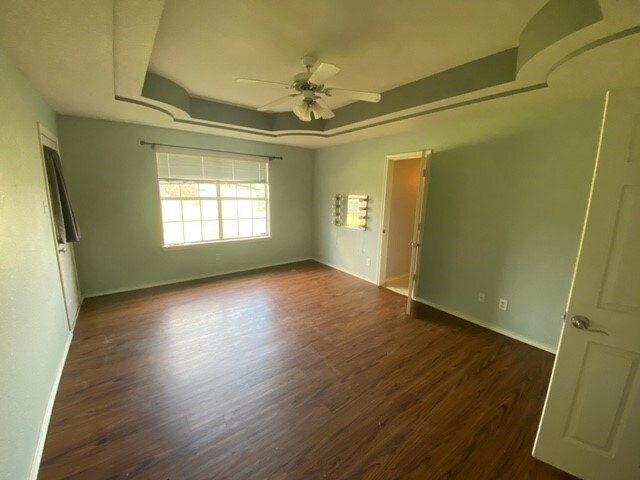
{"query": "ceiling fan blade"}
[(267, 82), (354, 94), (269, 106), (322, 73), (326, 111)]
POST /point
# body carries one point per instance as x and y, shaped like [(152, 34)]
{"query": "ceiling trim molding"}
[(553, 22), (279, 134), (450, 106), (491, 71), (134, 32)]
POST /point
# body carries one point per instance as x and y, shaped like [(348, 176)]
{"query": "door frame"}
[(48, 138), (414, 268)]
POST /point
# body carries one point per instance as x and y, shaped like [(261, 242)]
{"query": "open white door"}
[(418, 228), (64, 251), (590, 425)]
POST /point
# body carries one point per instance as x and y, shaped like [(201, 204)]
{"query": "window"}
[(210, 199)]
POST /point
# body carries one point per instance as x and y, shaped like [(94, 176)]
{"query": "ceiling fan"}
[(310, 86)]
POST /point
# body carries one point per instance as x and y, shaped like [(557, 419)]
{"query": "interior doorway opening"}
[(402, 222), (404, 179)]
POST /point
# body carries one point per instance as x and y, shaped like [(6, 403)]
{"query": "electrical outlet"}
[(368, 262), (481, 297), (503, 304)]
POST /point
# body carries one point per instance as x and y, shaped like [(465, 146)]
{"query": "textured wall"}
[(33, 324), (506, 202), (113, 181)]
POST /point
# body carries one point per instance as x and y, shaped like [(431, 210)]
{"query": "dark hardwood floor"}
[(297, 373)]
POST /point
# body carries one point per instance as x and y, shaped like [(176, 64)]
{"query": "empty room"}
[(332, 240)]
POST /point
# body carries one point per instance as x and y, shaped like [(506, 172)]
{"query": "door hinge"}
[(564, 316), (414, 277), (424, 172)]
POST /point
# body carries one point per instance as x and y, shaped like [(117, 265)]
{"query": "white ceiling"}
[(204, 46), (65, 48)]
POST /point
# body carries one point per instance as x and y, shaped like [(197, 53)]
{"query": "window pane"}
[(245, 228), (169, 190), (210, 231), (173, 233), (244, 190), (209, 209), (229, 209), (191, 209), (259, 209), (258, 190), (244, 208), (192, 232), (189, 189), (259, 227), (171, 211), (208, 190), (227, 190), (230, 228)]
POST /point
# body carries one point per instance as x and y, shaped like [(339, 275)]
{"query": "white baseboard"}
[(490, 326), (344, 270), (77, 314), (44, 428), (188, 279)]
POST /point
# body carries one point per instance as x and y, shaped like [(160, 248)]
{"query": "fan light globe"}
[(303, 111)]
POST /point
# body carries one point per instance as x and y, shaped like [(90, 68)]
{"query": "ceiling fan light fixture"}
[(303, 111), (310, 85)]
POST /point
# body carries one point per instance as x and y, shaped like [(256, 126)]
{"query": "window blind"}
[(204, 168)]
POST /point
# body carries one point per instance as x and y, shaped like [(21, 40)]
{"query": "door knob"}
[(414, 244), (582, 323), (62, 249)]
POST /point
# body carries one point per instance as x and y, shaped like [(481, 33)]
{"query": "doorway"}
[(401, 230), (64, 251)]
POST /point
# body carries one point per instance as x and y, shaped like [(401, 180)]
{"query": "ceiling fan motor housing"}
[(301, 82)]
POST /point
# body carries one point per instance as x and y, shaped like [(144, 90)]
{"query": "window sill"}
[(181, 246)]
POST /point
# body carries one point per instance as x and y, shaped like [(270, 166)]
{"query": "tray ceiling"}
[(204, 46), (173, 63)]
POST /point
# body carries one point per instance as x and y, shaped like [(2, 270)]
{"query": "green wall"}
[(33, 324), (113, 181), (506, 202)]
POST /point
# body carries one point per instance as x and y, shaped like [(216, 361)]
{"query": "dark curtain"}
[(65, 219)]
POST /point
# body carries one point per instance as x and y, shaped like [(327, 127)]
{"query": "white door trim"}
[(414, 268), (418, 227)]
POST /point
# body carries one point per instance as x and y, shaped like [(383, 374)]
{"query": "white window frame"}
[(219, 199)]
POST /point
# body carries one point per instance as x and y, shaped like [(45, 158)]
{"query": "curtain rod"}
[(154, 145)]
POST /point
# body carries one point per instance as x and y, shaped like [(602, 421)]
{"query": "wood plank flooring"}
[(298, 373)]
